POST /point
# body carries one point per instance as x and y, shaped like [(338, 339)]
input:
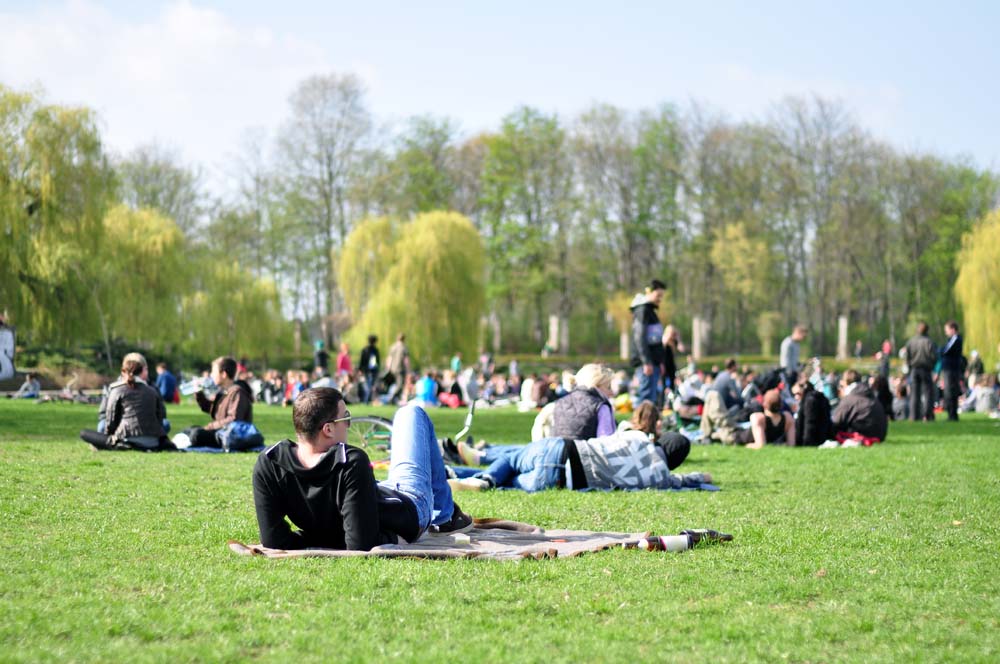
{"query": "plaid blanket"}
[(493, 539)]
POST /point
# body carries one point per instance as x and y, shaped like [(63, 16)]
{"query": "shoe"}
[(459, 522), (449, 452), (469, 484), (181, 441), (468, 456)]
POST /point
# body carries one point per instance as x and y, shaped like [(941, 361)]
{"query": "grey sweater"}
[(629, 460)]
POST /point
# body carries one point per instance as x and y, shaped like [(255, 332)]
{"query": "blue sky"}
[(195, 75)]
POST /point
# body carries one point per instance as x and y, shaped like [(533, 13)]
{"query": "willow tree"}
[(142, 275), (55, 184), (234, 314), (429, 284), (978, 287)]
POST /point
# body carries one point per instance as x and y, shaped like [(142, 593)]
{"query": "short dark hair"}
[(656, 284), (313, 408), (227, 365), (372, 338), (730, 364), (952, 324), (921, 327), (851, 376), (771, 401)]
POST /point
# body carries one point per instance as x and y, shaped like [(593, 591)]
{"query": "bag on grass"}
[(238, 436)]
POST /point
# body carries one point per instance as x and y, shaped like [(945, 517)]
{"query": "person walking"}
[(399, 366), (369, 364), (647, 342)]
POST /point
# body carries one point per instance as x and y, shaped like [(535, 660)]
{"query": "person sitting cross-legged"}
[(132, 413), (327, 489)]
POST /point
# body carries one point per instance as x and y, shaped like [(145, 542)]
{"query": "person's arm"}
[(113, 412), (605, 420), (359, 504), (759, 431), (204, 402), (269, 503), (789, 430)]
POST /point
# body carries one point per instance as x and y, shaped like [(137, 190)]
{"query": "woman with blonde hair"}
[(134, 412), (586, 412)]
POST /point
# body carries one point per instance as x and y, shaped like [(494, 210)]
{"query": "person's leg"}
[(95, 438), (538, 465), (502, 470), (951, 389), (916, 393), (416, 467), (647, 389), (202, 437), (930, 396)]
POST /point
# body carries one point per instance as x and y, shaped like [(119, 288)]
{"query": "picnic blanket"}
[(219, 450), (490, 539)]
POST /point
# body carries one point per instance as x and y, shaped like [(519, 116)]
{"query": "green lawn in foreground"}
[(889, 553)]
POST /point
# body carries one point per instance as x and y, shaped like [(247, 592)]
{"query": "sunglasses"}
[(345, 418)]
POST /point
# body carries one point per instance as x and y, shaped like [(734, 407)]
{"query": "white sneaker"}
[(181, 441), (852, 442), (829, 445), (469, 484)]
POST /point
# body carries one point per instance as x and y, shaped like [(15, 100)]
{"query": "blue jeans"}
[(416, 468), (530, 467), (371, 378), (650, 387)]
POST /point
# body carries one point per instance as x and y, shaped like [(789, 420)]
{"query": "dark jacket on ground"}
[(233, 404), (813, 425), (575, 415), (921, 353), (647, 334), (335, 505), (861, 412)]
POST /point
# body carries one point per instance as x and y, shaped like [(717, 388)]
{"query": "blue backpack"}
[(238, 436)]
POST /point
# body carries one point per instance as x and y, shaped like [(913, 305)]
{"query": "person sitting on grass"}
[(232, 403), (133, 413), (774, 425), (30, 388), (586, 412), (636, 459), (327, 489), (858, 411)]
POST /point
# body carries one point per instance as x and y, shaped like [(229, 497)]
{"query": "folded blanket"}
[(491, 539)]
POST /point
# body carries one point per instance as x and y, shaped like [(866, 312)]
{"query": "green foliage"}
[(233, 313), (426, 280), (978, 288)]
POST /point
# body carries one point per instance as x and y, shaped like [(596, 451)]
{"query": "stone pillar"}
[(842, 337)]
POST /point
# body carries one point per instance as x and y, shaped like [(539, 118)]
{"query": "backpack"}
[(238, 436)]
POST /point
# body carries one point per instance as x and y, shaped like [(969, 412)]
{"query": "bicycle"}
[(374, 434)]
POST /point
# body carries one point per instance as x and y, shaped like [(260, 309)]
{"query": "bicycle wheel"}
[(371, 433)]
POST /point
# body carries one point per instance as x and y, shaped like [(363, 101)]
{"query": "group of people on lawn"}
[(328, 491)]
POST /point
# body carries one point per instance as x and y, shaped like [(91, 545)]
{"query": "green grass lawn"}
[(889, 553)]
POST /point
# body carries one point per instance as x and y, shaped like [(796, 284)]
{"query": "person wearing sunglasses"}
[(327, 489)]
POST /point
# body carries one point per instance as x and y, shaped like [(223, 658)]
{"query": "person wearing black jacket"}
[(328, 491), (648, 353), (952, 369), (813, 425), (369, 363)]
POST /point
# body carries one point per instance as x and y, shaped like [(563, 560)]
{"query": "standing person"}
[(232, 403), (166, 383), (399, 365), (456, 362), (7, 345), (671, 346), (951, 369), (326, 488), (921, 356), (647, 342), (133, 412), (789, 355), (320, 357), (858, 349), (344, 367), (369, 363)]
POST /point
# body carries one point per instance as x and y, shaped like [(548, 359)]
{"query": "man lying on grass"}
[(328, 491), (640, 457)]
